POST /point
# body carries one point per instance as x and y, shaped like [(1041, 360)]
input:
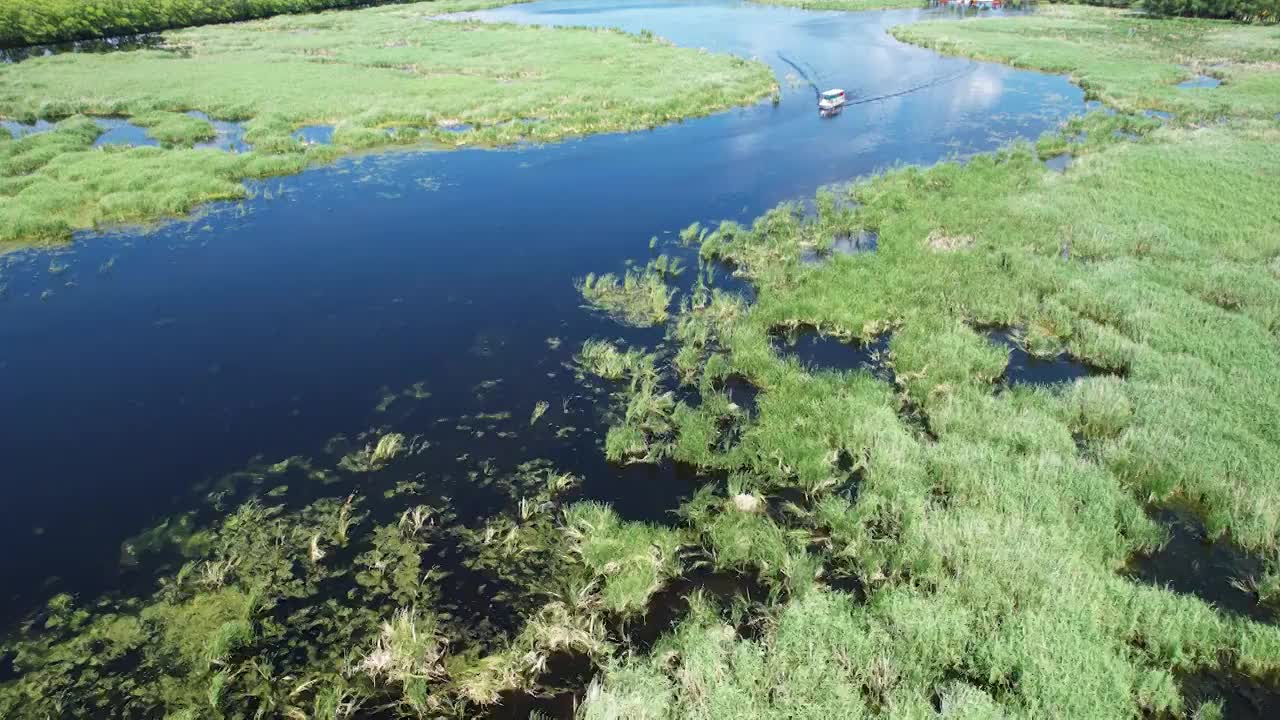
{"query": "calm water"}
[(137, 365)]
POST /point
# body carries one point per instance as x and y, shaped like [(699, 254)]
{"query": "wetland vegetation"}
[(34, 22), (900, 532), (386, 76)]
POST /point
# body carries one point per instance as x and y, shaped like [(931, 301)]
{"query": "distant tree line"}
[(36, 22), (1259, 11)]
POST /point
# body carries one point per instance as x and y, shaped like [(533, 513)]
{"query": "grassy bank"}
[(1128, 61), (848, 5), (380, 76), (31, 22)]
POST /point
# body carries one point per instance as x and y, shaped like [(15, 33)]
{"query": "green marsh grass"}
[(1128, 60), (362, 71), (989, 528), (640, 298)]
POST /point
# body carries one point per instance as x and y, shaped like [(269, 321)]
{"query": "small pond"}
[(819, 352), (1027, 369), (1214, 571)]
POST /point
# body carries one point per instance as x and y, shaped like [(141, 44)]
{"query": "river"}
[(138, 365)]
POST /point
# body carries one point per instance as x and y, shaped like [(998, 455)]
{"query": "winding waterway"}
[(138, 364)]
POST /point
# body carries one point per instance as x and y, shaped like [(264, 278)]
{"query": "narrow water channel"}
[(140, 363)]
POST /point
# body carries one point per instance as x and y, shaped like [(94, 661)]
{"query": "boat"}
[(831, 99)]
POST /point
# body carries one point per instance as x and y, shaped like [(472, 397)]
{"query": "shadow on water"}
[(1241, 697), (741, 392), (670, 605), (819, 352), (723, 276), (7, 670), (1215, 571), (647, 492), (863, 241), (1027, 369), (557, 695)]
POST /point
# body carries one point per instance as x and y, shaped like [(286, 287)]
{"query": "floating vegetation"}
[(604, 359), (539, 410), (640, 298), (375, 456), (416, 391)]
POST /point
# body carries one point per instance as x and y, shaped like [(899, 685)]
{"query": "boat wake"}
[(934, 82)]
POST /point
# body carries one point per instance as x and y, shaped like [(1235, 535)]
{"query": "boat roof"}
[(833, 91)]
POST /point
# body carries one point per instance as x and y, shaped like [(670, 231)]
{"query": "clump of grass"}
[(174, 128), (603, 358), (375, 456), (643, 433), (407, 650), (1101, 407), (539, 410), (639, 298), (634, 559)]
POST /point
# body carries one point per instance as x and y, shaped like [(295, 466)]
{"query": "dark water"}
[(1027, 369), (820, 352), (855, 244), (1217, 572), (1241, 697), (136, 365)]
